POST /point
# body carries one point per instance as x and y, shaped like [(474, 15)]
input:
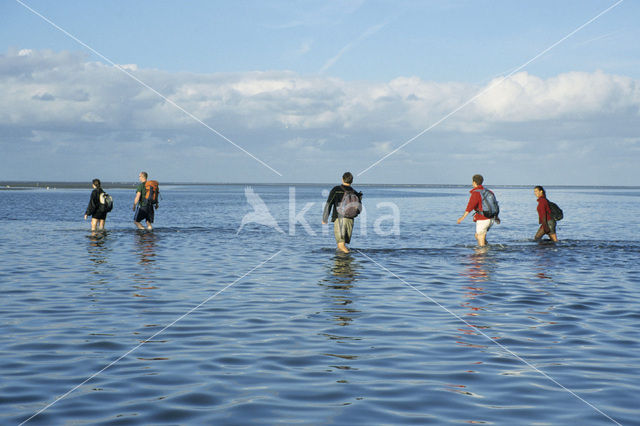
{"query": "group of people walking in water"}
[(144, 203), (485, 222), (344, 204), (482, 202)]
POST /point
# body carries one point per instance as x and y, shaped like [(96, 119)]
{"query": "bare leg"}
[(94, 224), (343, 248), (482, 239), (149, 227), (101, 224), (138, 225), (540, 233), (553, 237)]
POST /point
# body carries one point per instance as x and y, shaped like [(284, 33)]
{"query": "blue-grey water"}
[(197, 323)]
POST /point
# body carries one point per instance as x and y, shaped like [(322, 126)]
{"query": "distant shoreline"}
[(50, 185)]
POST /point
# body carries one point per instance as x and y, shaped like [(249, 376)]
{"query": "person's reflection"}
[(146, 248), (478, 272), (97, 247), (342, 275), (342, 272), (97, 250), (546, 258)]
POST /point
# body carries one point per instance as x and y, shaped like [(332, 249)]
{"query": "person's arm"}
[(470, 206), (461, 218), (328, 206), (137, 199), (543, 206), (91, 208)]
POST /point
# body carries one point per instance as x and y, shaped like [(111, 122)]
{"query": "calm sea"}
[(201, 322)]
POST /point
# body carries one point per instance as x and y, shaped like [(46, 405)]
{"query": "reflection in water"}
[(477, 270), (97, 248), (343, 274), (546, 256), (98, 252), (480, 266), (146, 248)]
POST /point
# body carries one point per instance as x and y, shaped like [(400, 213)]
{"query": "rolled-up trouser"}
[(342, 229), (552, 226)]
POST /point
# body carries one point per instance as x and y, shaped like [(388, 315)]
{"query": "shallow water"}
[(198, 323)]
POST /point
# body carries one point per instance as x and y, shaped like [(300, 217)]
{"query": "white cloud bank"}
[(66, 107)]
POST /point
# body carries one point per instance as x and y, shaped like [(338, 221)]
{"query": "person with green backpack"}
[(548, 214)]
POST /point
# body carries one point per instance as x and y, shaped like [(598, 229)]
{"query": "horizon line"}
[(81, 184)]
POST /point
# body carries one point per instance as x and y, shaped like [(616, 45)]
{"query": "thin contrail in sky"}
[(365, 35)]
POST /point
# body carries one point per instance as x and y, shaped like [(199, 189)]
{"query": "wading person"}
[(486, 208), (100, 204), (344, 204), (146, 201), (545, 217)]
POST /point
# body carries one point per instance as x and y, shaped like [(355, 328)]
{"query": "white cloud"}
[(50, 93), (73, 88), (524, 97)]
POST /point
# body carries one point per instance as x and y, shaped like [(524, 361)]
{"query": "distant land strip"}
[(52, 185)]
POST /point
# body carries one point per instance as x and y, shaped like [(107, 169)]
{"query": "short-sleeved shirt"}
[(143, 192)]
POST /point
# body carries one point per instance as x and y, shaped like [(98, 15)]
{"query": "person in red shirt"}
[(547, 224), (483, 223)]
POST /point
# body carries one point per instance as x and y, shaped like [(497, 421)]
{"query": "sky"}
[(424, 92)]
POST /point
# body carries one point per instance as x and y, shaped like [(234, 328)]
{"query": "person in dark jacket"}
[(96, 210), (547, 223), (342, 226)]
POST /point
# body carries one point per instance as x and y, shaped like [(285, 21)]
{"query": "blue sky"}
[(312, 89)]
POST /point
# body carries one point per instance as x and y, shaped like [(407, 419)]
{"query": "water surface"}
[(418, 326)]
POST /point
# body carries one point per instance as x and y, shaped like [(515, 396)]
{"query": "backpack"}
[(556, 212), (490, 207), (350, 206), (106, 201), (151, 192)]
